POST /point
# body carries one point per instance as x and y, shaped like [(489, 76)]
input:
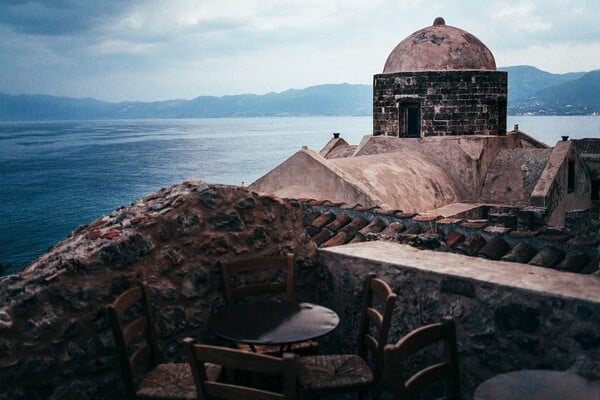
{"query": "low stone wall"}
[(55, 341), (509, 316)]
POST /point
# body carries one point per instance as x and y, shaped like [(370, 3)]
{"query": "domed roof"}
[(439, 48)]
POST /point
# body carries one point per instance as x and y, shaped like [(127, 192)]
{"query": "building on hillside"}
[(439, 144)]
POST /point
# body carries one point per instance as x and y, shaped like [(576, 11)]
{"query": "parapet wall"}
[(55, 341), (509, 316)]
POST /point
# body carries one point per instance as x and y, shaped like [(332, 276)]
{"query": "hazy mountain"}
[(575, 97), (530, 90), (525, 80)]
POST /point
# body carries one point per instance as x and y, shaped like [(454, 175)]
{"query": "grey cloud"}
[(58, 17)]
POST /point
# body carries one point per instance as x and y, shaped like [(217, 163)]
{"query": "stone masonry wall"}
[(451, 102), (501, 327), (55, 341)]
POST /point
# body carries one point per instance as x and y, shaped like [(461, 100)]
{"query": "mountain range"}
[(530, 91)]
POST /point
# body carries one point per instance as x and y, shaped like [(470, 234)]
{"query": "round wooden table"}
[(273, 323), (538, 384)]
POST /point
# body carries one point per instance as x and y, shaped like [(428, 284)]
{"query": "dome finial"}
[(439, 21)]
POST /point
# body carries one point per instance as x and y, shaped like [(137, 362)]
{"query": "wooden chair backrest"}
[(239, 360), (445, 370), (374, 325), (282, 263), (140, 329)]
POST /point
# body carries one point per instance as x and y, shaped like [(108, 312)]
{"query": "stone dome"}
[(440, 48)]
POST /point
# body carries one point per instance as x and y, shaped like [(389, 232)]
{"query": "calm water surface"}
[(58, 175)]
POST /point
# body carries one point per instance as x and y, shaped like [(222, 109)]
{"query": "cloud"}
[(156, 49), (57, 17)]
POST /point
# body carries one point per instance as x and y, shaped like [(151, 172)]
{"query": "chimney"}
[(336, 135)]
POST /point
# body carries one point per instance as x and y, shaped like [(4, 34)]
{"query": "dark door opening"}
[(413, 120)]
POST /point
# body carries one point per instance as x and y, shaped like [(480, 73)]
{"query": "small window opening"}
[(571, 176)]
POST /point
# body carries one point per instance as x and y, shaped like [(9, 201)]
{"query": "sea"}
[(57, 175)]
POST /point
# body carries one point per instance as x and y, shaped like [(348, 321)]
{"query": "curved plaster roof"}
[(440, 47)]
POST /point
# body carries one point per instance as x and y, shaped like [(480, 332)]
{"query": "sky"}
[(136, 50)]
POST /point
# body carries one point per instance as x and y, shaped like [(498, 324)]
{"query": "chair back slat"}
[(371, 343), (127, 328), (425, 377), (134, 328), (258, 289), (375, 317), (139, 357), (240, 360), (258, 264), (415, 341), (127, 299), (374, 326)]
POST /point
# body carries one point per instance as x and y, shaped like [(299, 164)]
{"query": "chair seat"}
[(308, 347), (173, 381), (333, 372)]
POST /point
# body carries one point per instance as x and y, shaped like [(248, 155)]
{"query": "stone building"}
[(439, 144), (439, 81)]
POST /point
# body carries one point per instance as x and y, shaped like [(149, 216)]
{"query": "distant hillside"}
[(530, 91), (338, 99), (576, 97), (525, 80)]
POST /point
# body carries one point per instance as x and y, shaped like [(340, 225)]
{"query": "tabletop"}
[(273, 322), (538, 384)]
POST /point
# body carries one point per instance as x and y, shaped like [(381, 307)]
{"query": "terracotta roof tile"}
[(388, 211), (322, 237), (592, 266), (375, 226), (547, 257), (405, 215), (471, 245), (475, 224), (521, 253), (554, 237), (573, 262), (524, 234), (335, 203), (316, 202), (453, 238), (354, 226), (341, 221), (349, 206), (312, 230), (414, 229), (323, 219), (358, 238), (393, 228), (579, 241), (339, 239), (449, 221), (360, 207), (427, 218), (494, 249)]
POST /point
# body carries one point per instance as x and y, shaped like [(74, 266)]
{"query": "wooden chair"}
[(134, 332), (444, 371), (239, 360), (236, 290), (332, 374)]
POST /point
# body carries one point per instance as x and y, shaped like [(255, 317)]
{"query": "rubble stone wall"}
[(55, 341)]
